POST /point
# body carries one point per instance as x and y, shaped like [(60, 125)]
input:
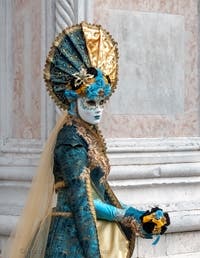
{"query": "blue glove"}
[(151, 223), (108, 212), (136, 214)]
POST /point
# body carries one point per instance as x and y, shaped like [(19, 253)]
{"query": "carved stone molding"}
[(69, 12), (141, 151), (65, 14)]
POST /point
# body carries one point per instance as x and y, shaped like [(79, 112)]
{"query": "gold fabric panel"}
[(92, 38), (102, 50), (112, 241)]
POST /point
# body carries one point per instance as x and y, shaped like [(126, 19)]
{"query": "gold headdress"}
[(74, 53)]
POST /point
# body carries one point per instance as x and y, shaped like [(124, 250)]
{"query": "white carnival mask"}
[(90, 110)]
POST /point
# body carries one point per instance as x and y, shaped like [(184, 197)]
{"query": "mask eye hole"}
[(101, 103), (91, 103)]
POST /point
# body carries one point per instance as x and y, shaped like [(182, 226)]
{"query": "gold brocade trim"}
[(131, 244), (112, 196), (90, 199), (91, 205), (132, 223), (85, 174), (58, 185), (96, 144), (62, 214), (136, 231)]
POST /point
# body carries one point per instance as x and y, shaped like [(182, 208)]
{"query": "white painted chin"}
[(91, 119), (96, 120)]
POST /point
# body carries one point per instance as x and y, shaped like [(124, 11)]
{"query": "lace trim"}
[(96, 144), (62, 214), (133, 224)]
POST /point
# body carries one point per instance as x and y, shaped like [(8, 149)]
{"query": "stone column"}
[(26, 113)]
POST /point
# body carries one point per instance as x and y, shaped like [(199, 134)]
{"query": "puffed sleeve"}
[(71, 155)]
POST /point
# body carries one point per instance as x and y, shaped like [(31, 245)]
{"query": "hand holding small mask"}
[(151, 223)]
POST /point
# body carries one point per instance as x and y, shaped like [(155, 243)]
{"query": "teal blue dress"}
[(75, 235)]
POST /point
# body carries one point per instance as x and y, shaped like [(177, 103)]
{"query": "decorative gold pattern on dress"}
[(132, 223), (112, 196), (91, 203), (69, 120), (131, 244), (90, 199), (59, 185), (85, 174), (96, 145), (62, 214), (136, 230)]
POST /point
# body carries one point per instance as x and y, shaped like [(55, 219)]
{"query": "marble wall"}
[(158, 93), (26, 64), (25, 111)]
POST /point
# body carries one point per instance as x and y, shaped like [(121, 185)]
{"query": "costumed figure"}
[(88, 220)]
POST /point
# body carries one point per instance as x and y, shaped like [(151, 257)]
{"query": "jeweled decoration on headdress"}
[(83, 61)]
